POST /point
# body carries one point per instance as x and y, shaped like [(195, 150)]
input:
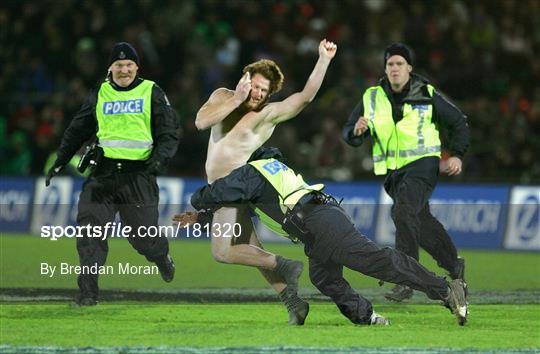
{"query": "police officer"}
[(404, 114), (137, 134), (289, 206)]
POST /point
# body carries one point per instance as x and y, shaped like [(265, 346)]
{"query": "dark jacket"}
[(244, 185), (164, 124), (445, 114)]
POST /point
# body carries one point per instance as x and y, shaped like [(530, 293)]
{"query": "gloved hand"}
[(52, 172), (154, 166)]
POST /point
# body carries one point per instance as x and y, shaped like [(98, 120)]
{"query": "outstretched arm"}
[(290, 107), (242, 185), (221, 103), (455, 121)]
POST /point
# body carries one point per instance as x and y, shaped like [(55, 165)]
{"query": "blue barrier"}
[(474, 216), (360, 200), (16, 196), (488, 217), (523, 229)]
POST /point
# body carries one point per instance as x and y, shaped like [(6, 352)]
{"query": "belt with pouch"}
[(294, 222), (121, 166)]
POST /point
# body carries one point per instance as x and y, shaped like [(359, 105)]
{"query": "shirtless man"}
[(241, 121)]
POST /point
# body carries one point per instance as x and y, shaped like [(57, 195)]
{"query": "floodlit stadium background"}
[(481, 54)]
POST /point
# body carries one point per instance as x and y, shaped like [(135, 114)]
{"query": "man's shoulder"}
[(220, 94), (222, 91)]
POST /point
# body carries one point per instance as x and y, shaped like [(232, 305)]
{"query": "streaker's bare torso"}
[(233, 140)]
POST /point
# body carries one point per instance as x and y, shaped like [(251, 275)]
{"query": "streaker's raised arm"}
[(221, 103), (290, 107)]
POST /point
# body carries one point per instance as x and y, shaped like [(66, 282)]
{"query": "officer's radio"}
[(89, 158)]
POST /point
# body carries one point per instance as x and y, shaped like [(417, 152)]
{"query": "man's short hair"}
[(268, 69)]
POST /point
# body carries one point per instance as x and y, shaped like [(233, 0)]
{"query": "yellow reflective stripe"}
[(419, 151), (271, 223), (293, 198), (372, 106), (128, 144), (420, 126), (379, 158)]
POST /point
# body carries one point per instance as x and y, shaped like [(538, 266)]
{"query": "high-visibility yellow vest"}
[(124, 121), (396, 145), (289, 186)]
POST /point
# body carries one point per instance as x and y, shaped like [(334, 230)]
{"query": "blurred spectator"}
[(19, 155)]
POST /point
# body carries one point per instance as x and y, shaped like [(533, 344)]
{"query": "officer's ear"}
[(409, 68)]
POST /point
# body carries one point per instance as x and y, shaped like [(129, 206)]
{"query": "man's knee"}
[(88, 246), (141, 246), (150, 247), (221, 251), (403, 213), (221, 256)]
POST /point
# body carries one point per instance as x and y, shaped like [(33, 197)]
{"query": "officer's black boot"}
[(290, 270), (297, 308), (89, 290), (166, 268), (459, 269), (399, 293), (456, 300), (459, 273)]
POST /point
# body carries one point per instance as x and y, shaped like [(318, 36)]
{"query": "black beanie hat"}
[(123, 51), (399, 49)]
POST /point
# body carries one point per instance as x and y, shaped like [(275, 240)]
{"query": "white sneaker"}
[(376, 319), (456, 300)]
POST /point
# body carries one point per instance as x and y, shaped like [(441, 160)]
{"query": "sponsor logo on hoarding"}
[(52, 205), (15, 205), (472, 216), (170, 198), (523, 229)]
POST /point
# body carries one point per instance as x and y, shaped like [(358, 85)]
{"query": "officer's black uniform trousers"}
[(135, 195), (410, 187), (334, 242)]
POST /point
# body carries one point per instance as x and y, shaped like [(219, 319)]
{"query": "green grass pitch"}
[(504, 311)]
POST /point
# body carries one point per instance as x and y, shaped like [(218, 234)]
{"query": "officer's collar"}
[(414, 90), (136, 82)]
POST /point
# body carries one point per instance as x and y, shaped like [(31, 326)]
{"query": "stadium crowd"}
[(482, 54)]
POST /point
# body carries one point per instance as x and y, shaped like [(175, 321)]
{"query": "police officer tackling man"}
[(404, 114), (137, 134), (289, 206), (240, 121)]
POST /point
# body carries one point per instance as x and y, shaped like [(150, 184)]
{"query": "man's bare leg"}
[(235, 250), (247, 250), (271, 277)]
